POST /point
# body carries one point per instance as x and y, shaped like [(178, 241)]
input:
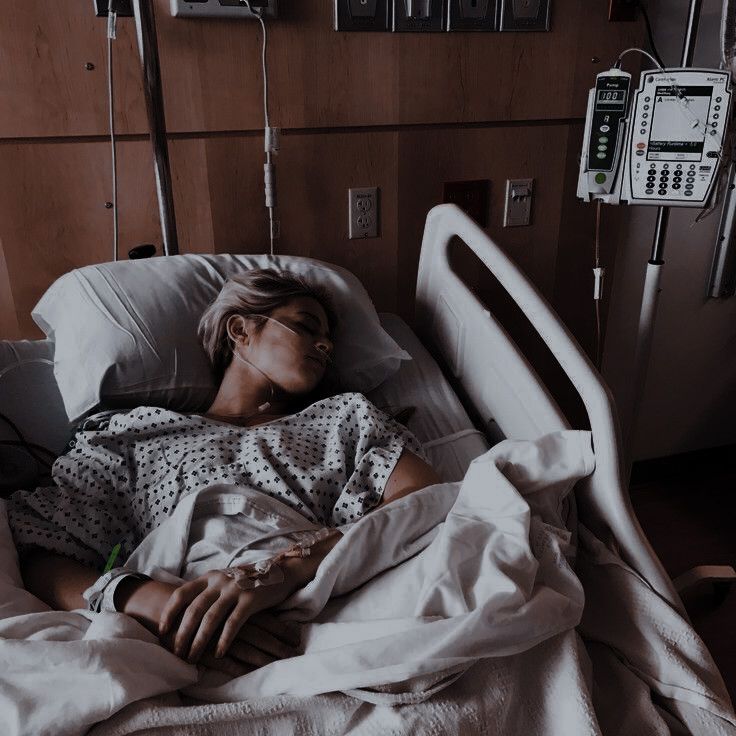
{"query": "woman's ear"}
[(237, 329)]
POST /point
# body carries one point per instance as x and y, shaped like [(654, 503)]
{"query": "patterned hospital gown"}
[(330, 462)]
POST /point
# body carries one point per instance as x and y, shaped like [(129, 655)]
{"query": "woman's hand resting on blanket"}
[(214, 604), (191, 617), (260, 640)]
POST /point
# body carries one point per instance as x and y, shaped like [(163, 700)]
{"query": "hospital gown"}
[(330, 462)]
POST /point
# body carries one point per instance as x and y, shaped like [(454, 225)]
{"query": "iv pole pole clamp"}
[(145, 25), (650, 295)]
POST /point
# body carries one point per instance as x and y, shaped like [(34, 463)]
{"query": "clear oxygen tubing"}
[(266, 404)]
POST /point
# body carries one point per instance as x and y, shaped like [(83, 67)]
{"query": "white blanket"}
[(457, 576)]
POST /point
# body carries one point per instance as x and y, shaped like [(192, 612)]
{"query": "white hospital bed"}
[(500, 384)]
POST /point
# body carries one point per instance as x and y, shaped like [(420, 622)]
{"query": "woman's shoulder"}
[(346, 399), (122, 418)]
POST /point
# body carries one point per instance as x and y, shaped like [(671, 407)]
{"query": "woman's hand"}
[(209, 602), (261, 641), (214, 603)]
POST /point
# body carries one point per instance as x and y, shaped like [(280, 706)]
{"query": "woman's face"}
[(292, 346)]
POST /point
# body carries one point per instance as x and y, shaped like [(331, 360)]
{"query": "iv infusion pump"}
[(660, 145)]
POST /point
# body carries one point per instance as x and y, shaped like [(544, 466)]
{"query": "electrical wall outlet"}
[(363, 212), (471, 15), (362, 15), (524, 15)]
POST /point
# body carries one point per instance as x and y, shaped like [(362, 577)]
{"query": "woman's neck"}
[(244, 395)]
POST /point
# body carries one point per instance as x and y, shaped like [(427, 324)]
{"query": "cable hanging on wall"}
[(271, 138)]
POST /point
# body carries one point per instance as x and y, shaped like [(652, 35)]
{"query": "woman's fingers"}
[(190, 622), (265, 641), (233, 625), (210, 621), (229, 665), (179, 600), (289, 632), (249, 655)]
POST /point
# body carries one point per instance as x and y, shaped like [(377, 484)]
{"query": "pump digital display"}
[(611, 99), (679, 121)]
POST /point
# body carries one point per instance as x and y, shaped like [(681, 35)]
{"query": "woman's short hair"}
[(253, 293)]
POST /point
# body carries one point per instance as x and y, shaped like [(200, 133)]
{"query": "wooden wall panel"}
[(44, 86), (429, 158), (53, 216), (320, 78), (9, 327), (220, 205)]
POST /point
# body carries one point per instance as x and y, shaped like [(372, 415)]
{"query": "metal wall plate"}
[(419, 15), (518, 208), (471, 15), (223, 9), (524, 15), (362, 15)]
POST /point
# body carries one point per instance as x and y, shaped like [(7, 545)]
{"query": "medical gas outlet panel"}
[(676, 133)]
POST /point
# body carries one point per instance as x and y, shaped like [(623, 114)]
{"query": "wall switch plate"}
[(471, 15), (524, 15), (363, 212), (470, 196), (518, 208), (123, 8), (418, 15), (362, 15), (622, 10), (223, 9)]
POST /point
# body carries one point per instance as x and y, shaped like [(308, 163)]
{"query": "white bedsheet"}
[(482, 582)]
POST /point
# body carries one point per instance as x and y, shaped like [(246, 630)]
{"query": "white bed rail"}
[(505, 389)]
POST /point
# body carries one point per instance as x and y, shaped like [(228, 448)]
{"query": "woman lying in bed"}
[(332, 460)]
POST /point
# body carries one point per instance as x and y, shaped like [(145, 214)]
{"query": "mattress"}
[(30, 397), (439, 421)]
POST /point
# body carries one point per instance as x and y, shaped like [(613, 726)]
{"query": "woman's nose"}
[(324, 345)]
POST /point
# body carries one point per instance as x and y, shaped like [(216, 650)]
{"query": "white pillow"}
[(125, 333)]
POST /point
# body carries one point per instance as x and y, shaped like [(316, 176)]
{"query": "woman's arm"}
[(410, 474), (60, 581)]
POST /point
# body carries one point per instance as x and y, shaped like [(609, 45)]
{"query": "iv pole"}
[(650, 296), (722, 576), (145, 25)]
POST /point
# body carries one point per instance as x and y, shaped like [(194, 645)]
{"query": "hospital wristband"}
[(100, 596)]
